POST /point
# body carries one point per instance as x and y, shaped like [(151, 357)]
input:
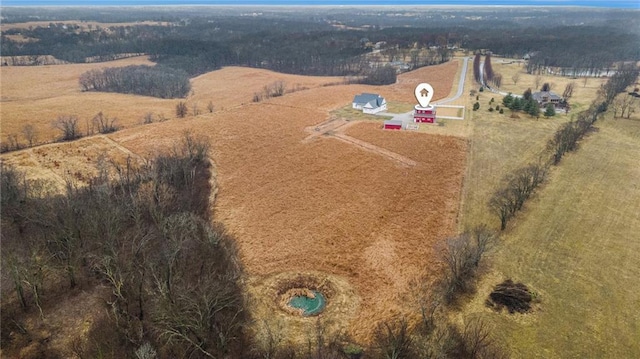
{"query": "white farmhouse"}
[(369, 103)]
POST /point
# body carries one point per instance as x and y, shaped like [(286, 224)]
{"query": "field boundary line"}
[(373, 148)]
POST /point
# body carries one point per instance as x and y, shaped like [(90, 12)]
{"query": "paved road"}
[(463, 77)]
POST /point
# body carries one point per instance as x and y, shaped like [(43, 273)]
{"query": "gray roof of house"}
[(538, 96), (366, 98)]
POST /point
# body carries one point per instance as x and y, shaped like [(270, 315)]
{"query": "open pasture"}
[(577, 247)]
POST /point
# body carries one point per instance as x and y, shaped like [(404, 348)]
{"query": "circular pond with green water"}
[(309, 305)]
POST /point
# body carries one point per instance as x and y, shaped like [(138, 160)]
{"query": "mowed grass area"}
[(577, 246), (576, 243), (499, 143)]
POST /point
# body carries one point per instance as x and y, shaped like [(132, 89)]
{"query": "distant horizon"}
[(614, 4)]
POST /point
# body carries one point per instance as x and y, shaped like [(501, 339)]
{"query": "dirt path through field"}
[(337, 127), (373, 148)]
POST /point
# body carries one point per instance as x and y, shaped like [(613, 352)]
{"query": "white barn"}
[(369, 103)]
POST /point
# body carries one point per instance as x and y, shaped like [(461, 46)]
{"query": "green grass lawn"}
[(577, 244)]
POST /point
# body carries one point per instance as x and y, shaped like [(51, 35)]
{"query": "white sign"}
[(424, 94)]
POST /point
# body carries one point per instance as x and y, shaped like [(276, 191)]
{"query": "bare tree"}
[(568, 90), (497, 80), (478, 342), (519, 186), (536, 81), (181, 109), (476, 68), (30, 134), (462, 256), (14, 144), (148, 118), (632, 107), (104, 124), (488, 69), (210, 107), (68, 125), (515, 78), (194, 109), (393, 339)]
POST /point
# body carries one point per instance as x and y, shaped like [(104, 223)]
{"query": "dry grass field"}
[(325, 207), (37, 95)]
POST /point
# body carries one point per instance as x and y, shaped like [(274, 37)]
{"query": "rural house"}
[(546, 97), (369, 103)]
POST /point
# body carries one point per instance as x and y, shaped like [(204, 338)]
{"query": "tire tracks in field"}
[(335, 128), (375, 149)]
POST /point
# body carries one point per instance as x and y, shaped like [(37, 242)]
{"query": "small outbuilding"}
[(369, 103), (393, 125)]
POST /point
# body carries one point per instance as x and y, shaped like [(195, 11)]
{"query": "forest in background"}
[(317, 41)]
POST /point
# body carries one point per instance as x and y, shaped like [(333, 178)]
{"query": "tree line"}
[(569, 47), (156, 81)]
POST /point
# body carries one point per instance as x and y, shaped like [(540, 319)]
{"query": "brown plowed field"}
[(323, 206)]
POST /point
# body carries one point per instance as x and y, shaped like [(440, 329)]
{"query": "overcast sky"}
[(634, 4)]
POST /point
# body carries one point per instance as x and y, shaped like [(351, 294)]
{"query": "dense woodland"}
[(311, 42)]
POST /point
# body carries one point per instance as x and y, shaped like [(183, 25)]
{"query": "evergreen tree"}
[(550, 111), (516, 104), (534, 109), (507, 100)]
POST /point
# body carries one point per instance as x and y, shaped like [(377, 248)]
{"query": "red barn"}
[(392, 125), (424, 114)]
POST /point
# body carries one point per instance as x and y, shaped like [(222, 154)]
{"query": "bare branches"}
[(30, 134), (104, 124), (462, 256), (393, 339), (519, 186), (68, 125), (181, 109)]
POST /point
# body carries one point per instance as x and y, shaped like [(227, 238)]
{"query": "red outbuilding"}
[(392, 125)]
